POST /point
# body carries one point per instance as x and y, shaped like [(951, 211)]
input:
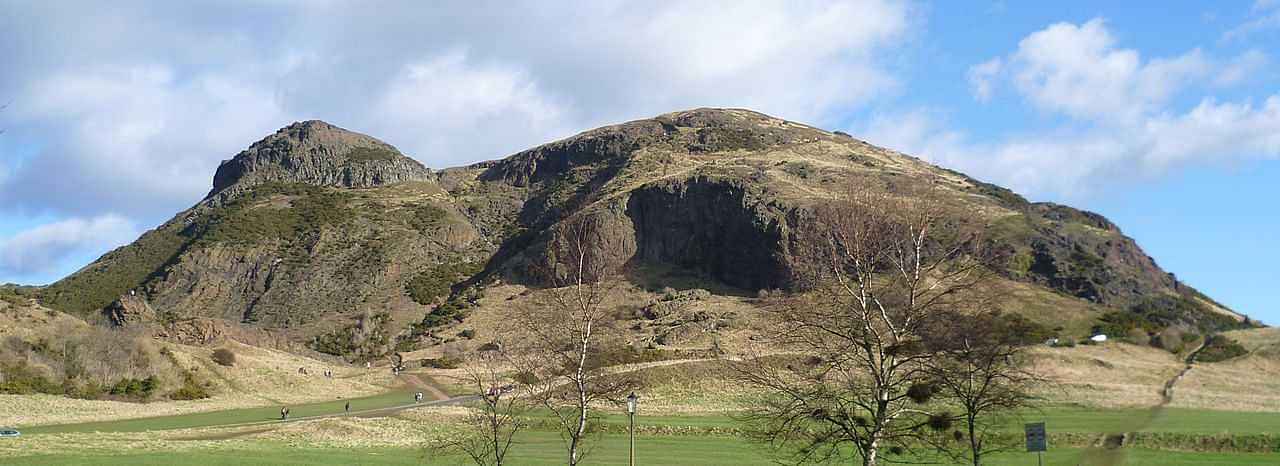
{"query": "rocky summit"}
[(320, 154), (315, 224)]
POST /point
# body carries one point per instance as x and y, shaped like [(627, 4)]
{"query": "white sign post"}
[(1036, 440)]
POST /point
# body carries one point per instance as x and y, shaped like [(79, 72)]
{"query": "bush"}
[(242, 221), (189, 392), (21, 379), (224, 357), (437, 282), (135, 388), (366, 338), (451, 311), (1219, 348), (1065, 343), (468, 333), (369, 154), (443, 362), (427, 217)]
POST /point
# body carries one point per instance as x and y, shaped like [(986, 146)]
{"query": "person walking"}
[(347, 408), (284, 414)]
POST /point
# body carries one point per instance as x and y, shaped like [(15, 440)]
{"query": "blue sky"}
[(1163, 116)]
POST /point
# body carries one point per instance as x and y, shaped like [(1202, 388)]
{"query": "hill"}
[(337, 239)]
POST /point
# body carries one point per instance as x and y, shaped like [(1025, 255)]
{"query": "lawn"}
[(544, 448), (539, 447), (228, 417), (1058, 419)]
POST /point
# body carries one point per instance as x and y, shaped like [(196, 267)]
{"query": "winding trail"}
[(1108, 450), (415, 381), (264, 418)]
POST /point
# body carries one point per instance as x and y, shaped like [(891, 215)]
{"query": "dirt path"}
[(1191, 360), (412, 381), (415, 381), (272, 425), (1109, 449)]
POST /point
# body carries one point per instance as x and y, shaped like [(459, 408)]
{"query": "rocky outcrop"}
[(701, 130), (1082, 254), (130, 310), (713, 226), (317, 153)]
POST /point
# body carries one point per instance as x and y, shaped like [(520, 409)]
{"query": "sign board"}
[(1036, 440)]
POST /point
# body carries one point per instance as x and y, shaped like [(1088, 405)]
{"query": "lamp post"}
[(631, 414)]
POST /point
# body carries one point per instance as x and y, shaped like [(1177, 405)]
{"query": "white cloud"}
[(44, 248), (1077, 70), (1121, 123), (134, 105), (1241, 68), (982, 78), (452, 106), (1075, 163), (1266, 16), (130, 106), (127, 138)]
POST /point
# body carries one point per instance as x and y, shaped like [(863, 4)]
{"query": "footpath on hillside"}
[(1109, 449), (385, 404)]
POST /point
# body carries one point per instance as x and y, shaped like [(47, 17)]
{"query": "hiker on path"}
[(348, 407), (417, 398), (284, 414)]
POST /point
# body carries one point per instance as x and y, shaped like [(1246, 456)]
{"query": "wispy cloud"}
[(1119, 120), (45, 248)]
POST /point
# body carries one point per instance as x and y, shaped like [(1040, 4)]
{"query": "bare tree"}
[(568, 333), (495, 421), (982, 368), (883, 269)]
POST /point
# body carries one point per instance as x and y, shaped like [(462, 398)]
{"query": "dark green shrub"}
[(467, 333), (438, 281), (1219, 348), (189, 392), (135, 388), (224, 357), (366, 338), (443, 362), (21, 379), (370, 154), (243, 221), (426, 217)]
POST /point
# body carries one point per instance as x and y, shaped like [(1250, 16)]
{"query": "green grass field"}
[(1063, 419), (544, 448), (538, 447), (228, 417)]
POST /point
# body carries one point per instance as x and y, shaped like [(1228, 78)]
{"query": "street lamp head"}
[(631, 402)]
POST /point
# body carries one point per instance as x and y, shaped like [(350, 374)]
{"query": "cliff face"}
[(712, 226), (286, 240)]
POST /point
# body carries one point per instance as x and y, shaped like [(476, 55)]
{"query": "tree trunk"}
[(974, 447)]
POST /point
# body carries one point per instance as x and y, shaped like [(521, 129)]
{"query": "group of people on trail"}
[(328, 373), (417, 397), (284, 412)]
